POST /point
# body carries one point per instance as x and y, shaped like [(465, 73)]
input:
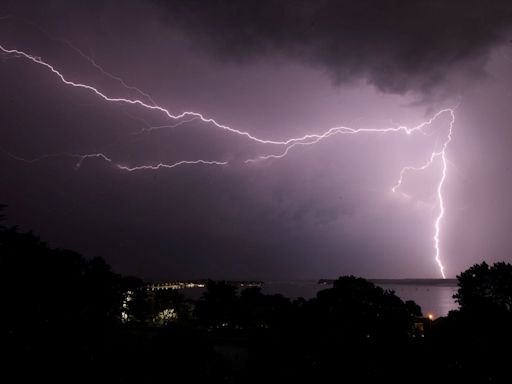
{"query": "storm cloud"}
[(278, 70), (397, 46)]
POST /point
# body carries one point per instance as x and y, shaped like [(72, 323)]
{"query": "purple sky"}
[(276, 69)]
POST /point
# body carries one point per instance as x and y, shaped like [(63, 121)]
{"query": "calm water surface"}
[(434, 299), (437, 300)]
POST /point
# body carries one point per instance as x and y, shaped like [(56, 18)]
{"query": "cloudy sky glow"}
[(276, 69)]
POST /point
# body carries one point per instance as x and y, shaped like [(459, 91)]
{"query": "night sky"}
[(276, 70)]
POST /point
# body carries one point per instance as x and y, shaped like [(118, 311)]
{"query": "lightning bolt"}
[(441, 154), (140, 103), (287, 145), (107, 74)]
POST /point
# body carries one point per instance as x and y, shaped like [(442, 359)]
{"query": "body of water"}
[(435, 299), (433, 296)]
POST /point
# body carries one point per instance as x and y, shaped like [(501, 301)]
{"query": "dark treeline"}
[(67, 319)]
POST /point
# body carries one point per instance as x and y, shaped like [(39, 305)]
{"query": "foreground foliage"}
[(69, 319)]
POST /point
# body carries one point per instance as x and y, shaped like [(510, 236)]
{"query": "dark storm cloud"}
[(398, 46), (326, 209)]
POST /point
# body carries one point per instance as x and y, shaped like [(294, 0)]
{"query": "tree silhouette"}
[(363, 309), (486, 289), (219, 304), (58, 308), (2, 216), (62, 318), (469, 343)]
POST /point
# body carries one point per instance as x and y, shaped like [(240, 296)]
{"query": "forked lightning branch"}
[(282, 147)]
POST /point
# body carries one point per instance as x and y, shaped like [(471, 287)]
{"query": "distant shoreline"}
[(201, 283), (417, 282)]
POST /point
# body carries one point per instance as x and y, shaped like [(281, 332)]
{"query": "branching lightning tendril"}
[(108, 74), (287, 145)]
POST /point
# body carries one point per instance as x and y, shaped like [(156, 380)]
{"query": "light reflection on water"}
[(434, 299), (437, 300)]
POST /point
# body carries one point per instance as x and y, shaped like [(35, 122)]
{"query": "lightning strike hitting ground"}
[(288, 144)]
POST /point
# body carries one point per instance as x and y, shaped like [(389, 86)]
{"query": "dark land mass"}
[(66, 318), (422, 282), (201, 282)]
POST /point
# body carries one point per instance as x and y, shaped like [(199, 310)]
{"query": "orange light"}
[(430, 316)]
